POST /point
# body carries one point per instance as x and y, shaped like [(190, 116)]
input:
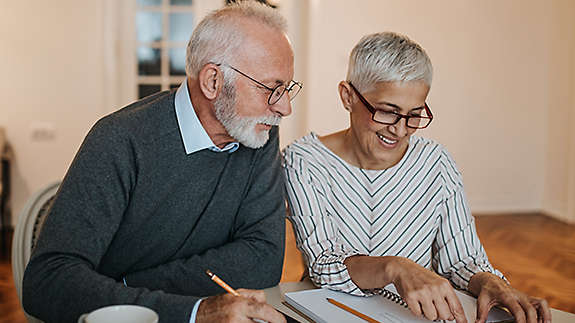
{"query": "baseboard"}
[(546, 214), (507, 213)]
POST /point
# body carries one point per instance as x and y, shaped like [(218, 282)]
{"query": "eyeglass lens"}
[(292, 90), (414, 121)]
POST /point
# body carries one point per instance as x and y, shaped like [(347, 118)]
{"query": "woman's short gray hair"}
[(217, 37), (387, 57)]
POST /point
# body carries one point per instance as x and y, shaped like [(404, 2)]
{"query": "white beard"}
[(241, 128)]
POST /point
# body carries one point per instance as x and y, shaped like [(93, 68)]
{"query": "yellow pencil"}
[(222, 283), (228, 289), (352, 311)]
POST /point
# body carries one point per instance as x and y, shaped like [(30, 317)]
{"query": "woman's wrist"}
[(394, 266), (369, 272), (480, 280)]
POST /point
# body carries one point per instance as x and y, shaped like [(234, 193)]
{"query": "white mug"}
[(120, 314)]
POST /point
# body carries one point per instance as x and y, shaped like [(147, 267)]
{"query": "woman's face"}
[(381, 146)]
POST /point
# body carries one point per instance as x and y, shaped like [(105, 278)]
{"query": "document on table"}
[(388, 308)]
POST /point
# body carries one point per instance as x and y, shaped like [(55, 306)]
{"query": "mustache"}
[(273, 120)]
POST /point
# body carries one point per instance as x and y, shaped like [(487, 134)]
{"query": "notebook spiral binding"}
[(392, 296)]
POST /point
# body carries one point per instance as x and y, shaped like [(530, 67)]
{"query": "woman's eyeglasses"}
[(419, 120)]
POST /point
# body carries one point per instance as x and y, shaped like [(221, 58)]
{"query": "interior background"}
[(503, 92)]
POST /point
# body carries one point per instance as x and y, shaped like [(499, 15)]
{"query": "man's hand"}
[(426, 293), (228, 308), (492, 290)]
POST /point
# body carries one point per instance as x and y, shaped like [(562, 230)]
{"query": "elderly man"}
[(178, 183)]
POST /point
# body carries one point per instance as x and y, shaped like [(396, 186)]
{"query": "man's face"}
[(243, 129), (243, 109)]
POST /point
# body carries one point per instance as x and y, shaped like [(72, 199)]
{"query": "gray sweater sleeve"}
[(62, 280), (254, 257)]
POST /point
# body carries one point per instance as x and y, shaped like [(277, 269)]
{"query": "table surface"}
[(275, 298)]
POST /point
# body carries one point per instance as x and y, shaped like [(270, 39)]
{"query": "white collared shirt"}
[(193, 134)]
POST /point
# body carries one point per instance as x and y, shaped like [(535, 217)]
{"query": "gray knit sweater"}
[(134, 205)]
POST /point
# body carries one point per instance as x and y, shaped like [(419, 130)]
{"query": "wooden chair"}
[(27, 231)]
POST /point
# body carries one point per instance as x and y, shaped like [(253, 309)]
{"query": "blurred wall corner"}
[(6, 158), (559, 194)]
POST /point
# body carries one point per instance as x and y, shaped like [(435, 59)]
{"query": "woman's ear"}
[(345, 93), (210, 80)]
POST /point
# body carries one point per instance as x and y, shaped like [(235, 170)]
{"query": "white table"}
[(275, 298)]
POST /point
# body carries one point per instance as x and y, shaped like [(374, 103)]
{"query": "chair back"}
[(27, 231)]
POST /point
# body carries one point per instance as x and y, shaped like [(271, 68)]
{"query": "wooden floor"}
[(536, 253)]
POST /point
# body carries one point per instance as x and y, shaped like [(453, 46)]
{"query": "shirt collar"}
[(193, 134)]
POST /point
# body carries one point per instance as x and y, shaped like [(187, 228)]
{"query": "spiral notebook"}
[(386, 307)]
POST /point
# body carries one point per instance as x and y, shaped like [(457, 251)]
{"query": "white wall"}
[(502, 93), (495, 92), (52, 79), (560, 171), (65, 64)]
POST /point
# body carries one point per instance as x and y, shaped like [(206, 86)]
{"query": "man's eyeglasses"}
[(421, 119), (292, 88)]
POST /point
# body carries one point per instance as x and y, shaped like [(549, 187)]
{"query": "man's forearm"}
[(61, 288), (242, 263)]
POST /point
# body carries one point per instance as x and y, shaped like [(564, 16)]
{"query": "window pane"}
[(178, 61), (149, 26), (181, 26), (149, 61), (149, 2), (181, 2), (147, 89)]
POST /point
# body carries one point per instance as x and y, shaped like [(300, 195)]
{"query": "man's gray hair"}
[(387, 57), (218, 36)]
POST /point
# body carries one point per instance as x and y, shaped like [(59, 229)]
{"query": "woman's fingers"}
[(515, 308), (443, 310), (429, 310), (414, 306), (543, 311), (436, 303), (528, 309), (456, 308)]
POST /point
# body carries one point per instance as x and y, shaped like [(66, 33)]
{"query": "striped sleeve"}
[(459, 253), (315, 233)]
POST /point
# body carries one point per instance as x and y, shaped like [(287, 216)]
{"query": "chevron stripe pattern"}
[(415, 209)]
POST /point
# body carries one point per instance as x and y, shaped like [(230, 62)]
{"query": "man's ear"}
[(345, 93), (210, 80)]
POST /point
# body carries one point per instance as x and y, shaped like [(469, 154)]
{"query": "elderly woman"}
[(374, 204)]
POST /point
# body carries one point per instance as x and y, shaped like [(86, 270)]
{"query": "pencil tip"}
[(209, 272)]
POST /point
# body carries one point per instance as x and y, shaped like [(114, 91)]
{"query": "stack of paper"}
[(314, 304)]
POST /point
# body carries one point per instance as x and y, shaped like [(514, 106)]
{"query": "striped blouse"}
[(415, 209)]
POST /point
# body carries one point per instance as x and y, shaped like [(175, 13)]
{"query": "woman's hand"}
[(492, 290), (426, 293)]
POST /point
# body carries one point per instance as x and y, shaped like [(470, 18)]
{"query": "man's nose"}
[(283, 106)]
